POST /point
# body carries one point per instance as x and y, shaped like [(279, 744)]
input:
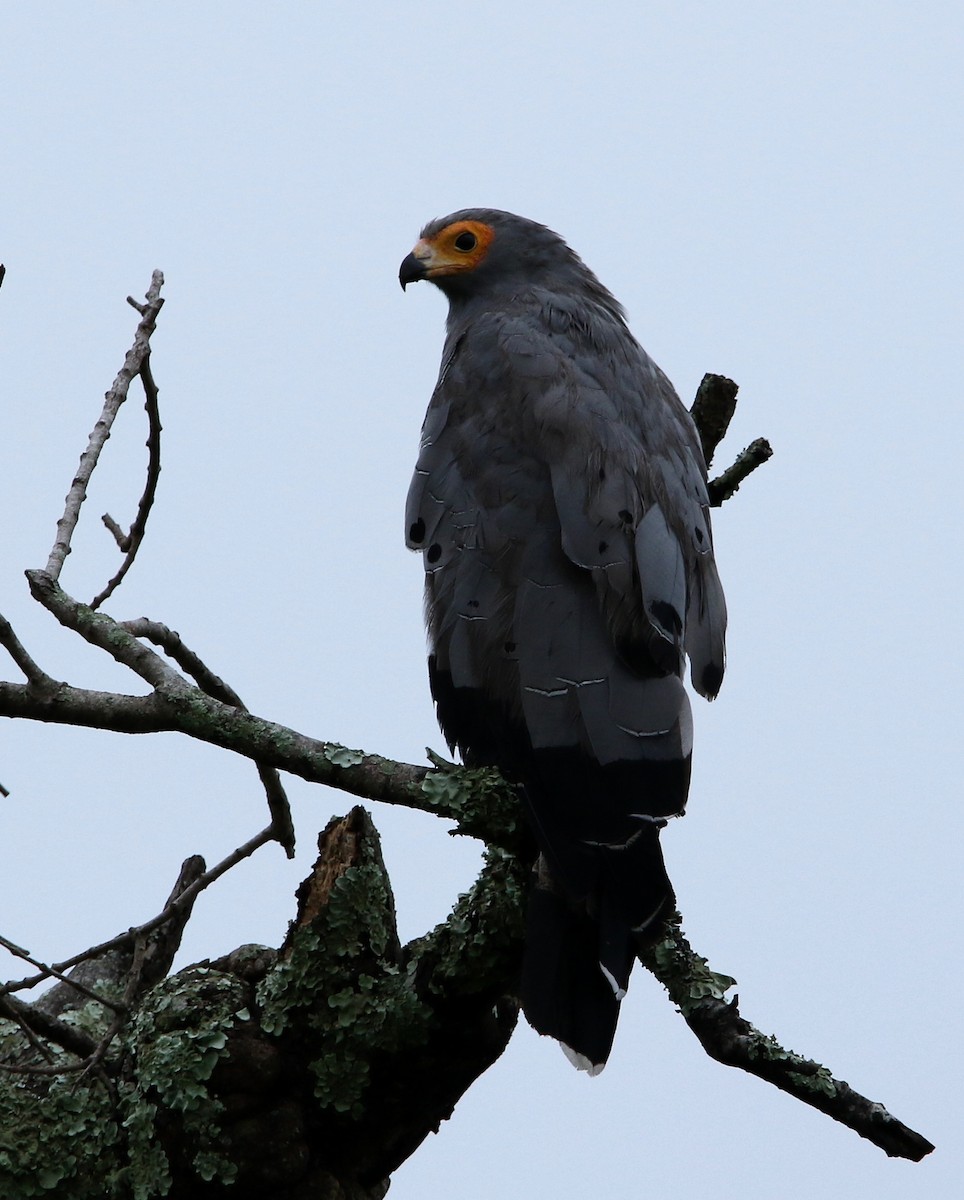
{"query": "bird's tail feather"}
[(580, 949)]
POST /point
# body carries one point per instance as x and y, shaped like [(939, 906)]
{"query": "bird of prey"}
[(560, 505)]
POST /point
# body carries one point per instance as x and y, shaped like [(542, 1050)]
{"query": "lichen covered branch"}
[(700, 995)]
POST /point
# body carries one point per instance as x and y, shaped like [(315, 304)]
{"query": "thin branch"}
[(189, 662), (726, 484), (34, 1022), (172, 909), (733, 1041), (131, 543), (10, 1010), (16, 650), (101, 431), (55, 972), (55, 1072), (149, 961)]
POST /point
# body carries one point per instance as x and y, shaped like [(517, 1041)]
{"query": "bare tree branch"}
[(131, 542), (173, 645), (48, 972), (105, 633), (178, 909), (101, 431), (16, 650), (369, 776)]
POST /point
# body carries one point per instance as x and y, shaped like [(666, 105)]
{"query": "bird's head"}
[(484, 251)]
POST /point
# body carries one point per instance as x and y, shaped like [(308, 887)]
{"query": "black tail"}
[(582, 935)]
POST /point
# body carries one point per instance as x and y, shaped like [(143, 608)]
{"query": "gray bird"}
[(560, 505)]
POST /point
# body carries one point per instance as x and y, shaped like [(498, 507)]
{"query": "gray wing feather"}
[(662, 582), (548, 494)]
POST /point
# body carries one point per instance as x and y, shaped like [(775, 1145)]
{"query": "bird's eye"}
[(465, 242)]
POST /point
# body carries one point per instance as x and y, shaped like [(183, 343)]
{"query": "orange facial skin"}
[(454, 250)]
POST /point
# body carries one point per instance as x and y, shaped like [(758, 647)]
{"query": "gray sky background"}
[(774, 192)]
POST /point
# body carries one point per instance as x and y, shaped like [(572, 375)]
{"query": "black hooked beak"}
[(411, 271)]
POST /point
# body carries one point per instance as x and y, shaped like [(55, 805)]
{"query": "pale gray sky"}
[(774, 192)]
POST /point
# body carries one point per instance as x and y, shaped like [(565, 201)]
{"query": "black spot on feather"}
[(667, 616)]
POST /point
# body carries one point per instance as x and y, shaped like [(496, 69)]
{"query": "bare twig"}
[(54, 972), (53, 1072), (16, 650), (733, 1041), (172, 909), (725, 485), (131, 543), (149, 961), (101, 431), (172, 644)]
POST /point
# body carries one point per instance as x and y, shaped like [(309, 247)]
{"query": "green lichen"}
[(820, 1081), (55, 1142), (685, 975), (57, 1134), (176, 1039), (341, 756), (483, 935), (341, 988), (69, 1137), (480, 800)]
